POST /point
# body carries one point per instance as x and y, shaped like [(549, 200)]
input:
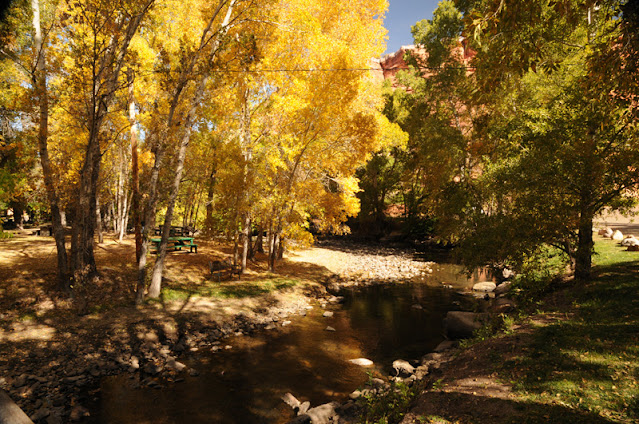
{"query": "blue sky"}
[(401, 15)]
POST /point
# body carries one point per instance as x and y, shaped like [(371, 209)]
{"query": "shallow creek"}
[(244, 384)]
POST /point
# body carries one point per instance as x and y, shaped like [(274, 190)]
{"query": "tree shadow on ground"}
[(50, 356), (470, 409)]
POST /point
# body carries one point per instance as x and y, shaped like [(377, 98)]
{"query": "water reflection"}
[(244, 384)]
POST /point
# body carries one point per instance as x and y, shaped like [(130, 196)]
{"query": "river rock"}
[(460, 324), (503, 288), (327, 314), (135, 364), (485, 286), (55, 417), (504, 305), (152, 369), (304, 407), (285, 323), (323, 414), (301, 419), (20, 381), (78, 412), (362, 362), (421, 371), (445, 345), (403, 368), (329, 328), (617, 235), (39, 414), (291, 400), (175, 365), (508, 273)]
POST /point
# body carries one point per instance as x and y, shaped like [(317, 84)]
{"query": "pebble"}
[(329, 328), (327, 314)]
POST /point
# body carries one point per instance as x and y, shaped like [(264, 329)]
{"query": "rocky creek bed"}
[(61, 382)]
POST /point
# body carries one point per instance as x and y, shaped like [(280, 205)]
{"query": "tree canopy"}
[(253, 109)]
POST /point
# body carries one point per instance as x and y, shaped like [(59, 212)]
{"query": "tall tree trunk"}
[(245, 142), (274, 248), (585, 245), (259, 240), (208, 223), (40, 85), (135, 178), (112, 217), (195, 210), (158, 268), (119, 194), (148, 222), (103, 86), (246, 241), (98, 219), (125, 216), (18, 213)]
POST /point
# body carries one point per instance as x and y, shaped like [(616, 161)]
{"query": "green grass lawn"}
[(227, 289), (590, 361)]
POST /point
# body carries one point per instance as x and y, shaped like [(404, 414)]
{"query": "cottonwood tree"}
[(25, 41), (99, 34), (568, 134)]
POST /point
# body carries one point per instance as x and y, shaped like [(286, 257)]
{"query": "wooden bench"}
[(226, 268), (44, 230)]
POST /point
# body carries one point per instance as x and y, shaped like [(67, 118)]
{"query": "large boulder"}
[(460, 325), (10, 413), (617, 236), (485, 287), (630, 241)]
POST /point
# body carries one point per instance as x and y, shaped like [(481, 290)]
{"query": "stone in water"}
[(362, 362)]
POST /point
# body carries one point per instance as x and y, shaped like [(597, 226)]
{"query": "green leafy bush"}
[(389, 407)]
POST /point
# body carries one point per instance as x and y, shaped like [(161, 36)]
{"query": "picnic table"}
[(175, 243)]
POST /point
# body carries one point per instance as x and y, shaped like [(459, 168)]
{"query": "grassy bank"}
[(573, 359), (587, 359)]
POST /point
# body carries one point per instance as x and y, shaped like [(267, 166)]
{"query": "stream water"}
[(244, 384)]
